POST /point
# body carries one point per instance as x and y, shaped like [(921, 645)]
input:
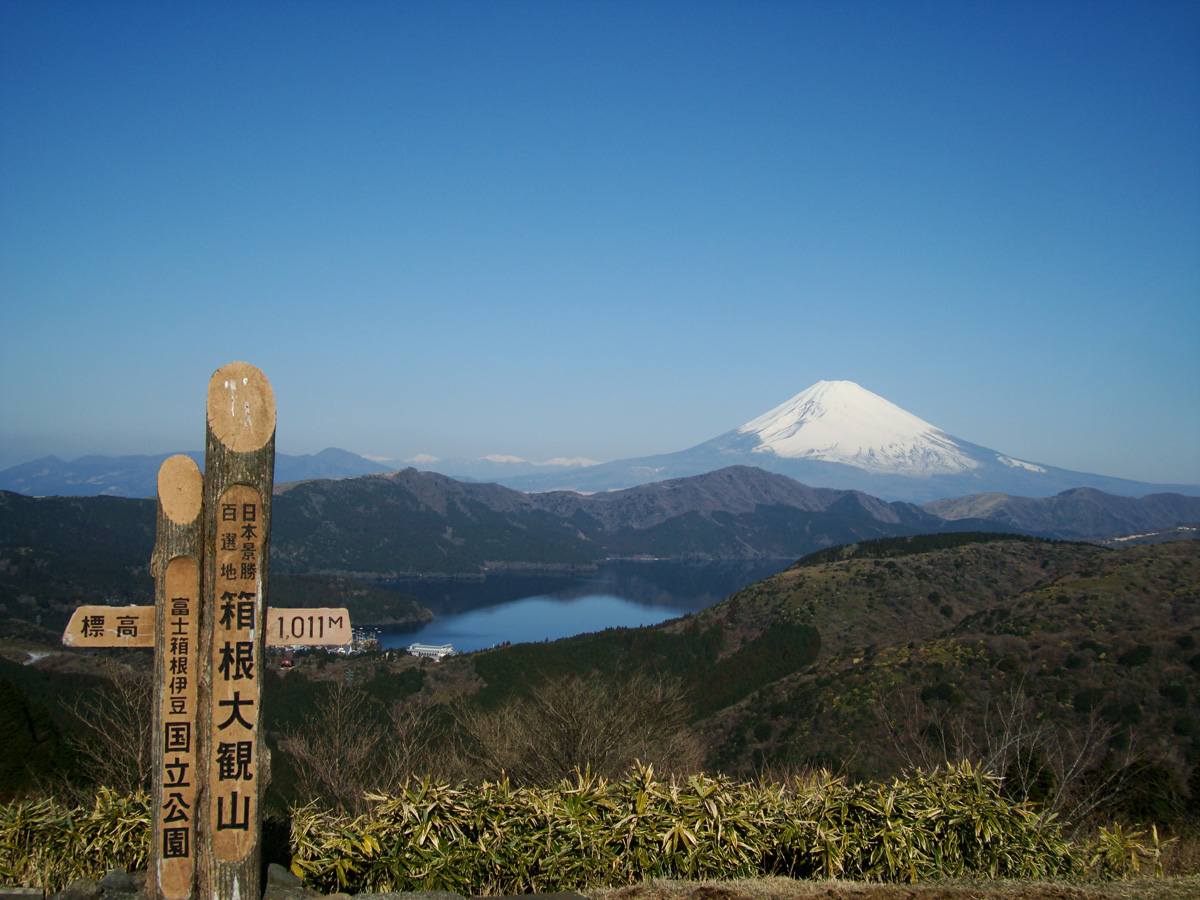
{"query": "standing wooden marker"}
[(209, 629), (239, 475), (176, 569)]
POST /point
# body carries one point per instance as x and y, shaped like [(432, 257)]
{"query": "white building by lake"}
[(429, 651)]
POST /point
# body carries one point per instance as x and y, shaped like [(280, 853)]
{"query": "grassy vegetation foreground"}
[(591, 833)]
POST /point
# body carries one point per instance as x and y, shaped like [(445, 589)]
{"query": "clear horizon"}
[(602, 230)]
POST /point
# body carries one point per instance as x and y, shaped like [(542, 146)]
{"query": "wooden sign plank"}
[(111, 626), (176, 569), (317, 627)]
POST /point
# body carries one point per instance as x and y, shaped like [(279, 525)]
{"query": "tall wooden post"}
[(239, 475), (176, 569), (209, 627)]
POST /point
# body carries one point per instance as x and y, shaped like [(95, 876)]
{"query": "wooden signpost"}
[(239, 472), (210, 627), (176, 569)]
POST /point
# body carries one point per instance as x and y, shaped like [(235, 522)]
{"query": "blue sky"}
[(601, 229)]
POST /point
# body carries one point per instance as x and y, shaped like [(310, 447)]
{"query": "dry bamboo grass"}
[(589, 833), (44, 844), (497, 840)]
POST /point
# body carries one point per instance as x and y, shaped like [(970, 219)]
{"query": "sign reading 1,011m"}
[(299, 625)]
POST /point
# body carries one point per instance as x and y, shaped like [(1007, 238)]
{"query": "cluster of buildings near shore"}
[(364, 640)]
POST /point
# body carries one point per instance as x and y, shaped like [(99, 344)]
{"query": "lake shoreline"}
[(524, 605), (555, 569)]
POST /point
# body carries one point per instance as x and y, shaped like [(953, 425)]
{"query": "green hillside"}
[(929, 656), (917, 651)]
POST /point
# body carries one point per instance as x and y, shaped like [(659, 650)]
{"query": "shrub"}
[(943, 692), (495, 839), (1136, 656), (587, 832), (1176, 693), (44, 844)]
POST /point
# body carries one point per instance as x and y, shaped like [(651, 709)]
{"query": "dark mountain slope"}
[(923, 650), (920, 654), (59, 552), (421, 521), (1082, 512)]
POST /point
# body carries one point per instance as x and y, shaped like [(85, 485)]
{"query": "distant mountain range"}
[(137, 476), (56, 552), (837, 434), (410, 521)]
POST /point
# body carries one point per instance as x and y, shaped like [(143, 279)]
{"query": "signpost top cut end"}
[(241, 407), (180, 489)]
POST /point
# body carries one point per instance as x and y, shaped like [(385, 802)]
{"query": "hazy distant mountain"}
[(839, 435), (1077, 513), (496, 468), (329, 463), (137, 476)]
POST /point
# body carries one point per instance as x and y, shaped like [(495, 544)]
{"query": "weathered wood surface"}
[(175, 566), (239, 474), (111, 626), (323, 626), (102, 626)]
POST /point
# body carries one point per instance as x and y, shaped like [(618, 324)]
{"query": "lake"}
[(523, 608)]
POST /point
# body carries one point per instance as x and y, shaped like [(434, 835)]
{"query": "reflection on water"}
[(476, 614)]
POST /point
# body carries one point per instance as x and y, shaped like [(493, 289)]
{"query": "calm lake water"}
[(473, 615)]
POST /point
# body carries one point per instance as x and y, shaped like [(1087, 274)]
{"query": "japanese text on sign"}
[(178, 759), (236, 643)]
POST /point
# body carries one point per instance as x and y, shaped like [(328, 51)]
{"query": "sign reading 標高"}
[(210, 627), (110, 626)]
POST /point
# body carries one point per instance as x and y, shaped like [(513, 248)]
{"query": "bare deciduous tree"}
[(344, 749), (115, 745), (573, 723), (1065, 762), (335, 748)]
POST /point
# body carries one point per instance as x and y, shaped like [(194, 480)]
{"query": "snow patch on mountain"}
[(557, 461), (1018, 464), (580, 461), (841, 422)]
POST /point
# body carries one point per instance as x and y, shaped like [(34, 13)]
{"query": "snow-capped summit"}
[(841, 422), (838, 435)]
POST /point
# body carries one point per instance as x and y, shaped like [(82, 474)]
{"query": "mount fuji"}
[(837, 434)]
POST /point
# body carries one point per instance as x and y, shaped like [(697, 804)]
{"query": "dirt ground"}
[(1176, 888)]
